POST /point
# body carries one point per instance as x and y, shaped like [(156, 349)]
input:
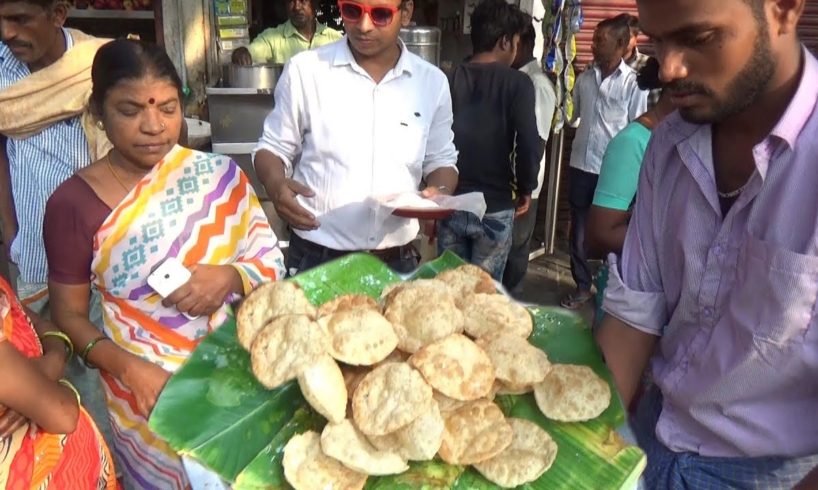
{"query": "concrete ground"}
[(548, 280)]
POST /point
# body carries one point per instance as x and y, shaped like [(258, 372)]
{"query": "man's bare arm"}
[(444, 179), (282, 191), (627, 352), (8, 216)]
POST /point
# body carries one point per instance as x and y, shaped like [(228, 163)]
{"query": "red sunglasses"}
[(353, 12)]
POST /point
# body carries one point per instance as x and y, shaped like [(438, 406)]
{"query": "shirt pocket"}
[(777, 289), (408, 144), (614, 109)]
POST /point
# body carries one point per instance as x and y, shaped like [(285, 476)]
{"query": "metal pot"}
[(424, 41), (259, 76)]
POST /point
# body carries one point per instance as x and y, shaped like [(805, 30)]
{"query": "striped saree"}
[(201, 209), (34, 459)]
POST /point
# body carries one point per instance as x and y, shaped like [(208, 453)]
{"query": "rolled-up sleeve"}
[(634, 293), (284, 126), (440, 149)]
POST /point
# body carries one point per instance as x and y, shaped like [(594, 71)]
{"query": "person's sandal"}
[(576, 299)]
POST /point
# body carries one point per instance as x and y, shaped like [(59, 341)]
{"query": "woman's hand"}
[(206, 291), (52, 364), (10, 421), (145, 380)]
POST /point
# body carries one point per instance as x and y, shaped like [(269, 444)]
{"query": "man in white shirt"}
[(606, 99), (357, 118), (545, 100)]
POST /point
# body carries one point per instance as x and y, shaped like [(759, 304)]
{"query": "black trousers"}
[(303, 256), (581, 187)]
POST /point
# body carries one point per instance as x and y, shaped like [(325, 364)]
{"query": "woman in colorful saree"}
[(47, 440), (109, 226)]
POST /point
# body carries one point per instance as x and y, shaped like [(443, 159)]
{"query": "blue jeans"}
[(483, 243), (682, 471)]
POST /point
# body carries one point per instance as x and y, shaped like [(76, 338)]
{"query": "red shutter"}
[(596, 11), (808, 28)]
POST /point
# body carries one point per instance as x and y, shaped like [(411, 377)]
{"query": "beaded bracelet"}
[(67, 384), (69, 346), (87, 351)]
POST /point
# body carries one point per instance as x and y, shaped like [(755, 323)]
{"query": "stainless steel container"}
[(424, 41), (263, 76), (237, 114), (236, 122)]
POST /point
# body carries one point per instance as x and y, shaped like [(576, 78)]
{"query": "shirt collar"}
[(622, 68), (344, 57), (636, 55), (788, 128), (532, 65), (802, 105), (289, 30)]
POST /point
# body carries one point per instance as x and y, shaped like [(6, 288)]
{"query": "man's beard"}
[(742, 92), (299, 20)]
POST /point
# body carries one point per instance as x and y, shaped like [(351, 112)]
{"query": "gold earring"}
[(100, 126)]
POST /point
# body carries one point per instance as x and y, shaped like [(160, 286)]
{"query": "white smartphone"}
[(168, 277)]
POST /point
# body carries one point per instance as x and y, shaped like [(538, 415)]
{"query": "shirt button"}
[(718, 250), (708, 312)]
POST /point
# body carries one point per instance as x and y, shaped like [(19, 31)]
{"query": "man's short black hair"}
[(529, 36), (631, 20), (493, 20), (618, 28)]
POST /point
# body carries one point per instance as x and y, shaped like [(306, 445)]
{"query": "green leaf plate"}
[(214, 410)]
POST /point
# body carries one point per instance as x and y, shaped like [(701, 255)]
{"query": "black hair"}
[(492, 21), (631, 20), (528, 36), (619, 29), (648, 76), (129, 59)]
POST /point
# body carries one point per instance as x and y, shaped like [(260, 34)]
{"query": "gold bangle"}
[(69, 346), (71, 387), (87, 350)]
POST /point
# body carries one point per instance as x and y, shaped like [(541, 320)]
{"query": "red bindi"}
[(151, 101)]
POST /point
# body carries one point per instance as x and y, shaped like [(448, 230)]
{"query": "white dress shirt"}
[(348, 138), (604, 108), (545, 103)]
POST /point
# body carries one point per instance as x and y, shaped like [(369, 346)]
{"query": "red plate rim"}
[(423, 213)]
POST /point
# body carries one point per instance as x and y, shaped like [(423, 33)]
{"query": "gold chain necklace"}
[(116, 176)]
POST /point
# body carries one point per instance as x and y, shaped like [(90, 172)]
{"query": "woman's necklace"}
[(116, 176)]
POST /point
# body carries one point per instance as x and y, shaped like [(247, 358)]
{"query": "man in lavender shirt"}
[(718, 281)]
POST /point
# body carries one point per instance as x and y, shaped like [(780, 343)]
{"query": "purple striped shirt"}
[(733, 298)]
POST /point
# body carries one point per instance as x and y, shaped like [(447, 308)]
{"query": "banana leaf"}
[(214, 410)]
